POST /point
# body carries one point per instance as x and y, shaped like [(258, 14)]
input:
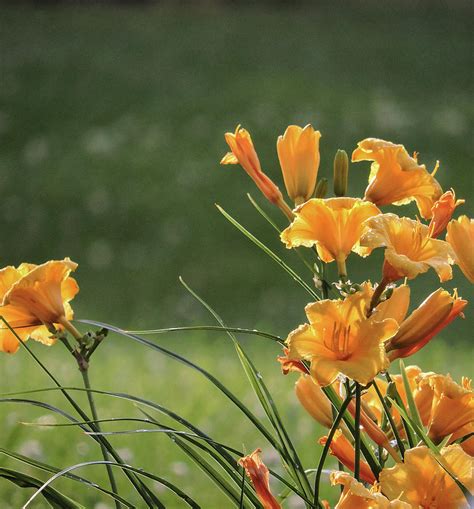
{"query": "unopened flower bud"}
[(321, 188), (341, 172)]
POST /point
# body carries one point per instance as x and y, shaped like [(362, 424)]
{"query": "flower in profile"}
[(356, 496), (396, 177), (461, 238), (258, 474), (243, 153), (344, 452), (409, 249), (298, 152), (334, 226), (442, 211), (314, 401), (33, 298), (422, 482), (445, 407), (340, 338), (435, 313)]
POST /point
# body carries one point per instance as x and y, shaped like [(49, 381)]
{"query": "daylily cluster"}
[(352, 337)]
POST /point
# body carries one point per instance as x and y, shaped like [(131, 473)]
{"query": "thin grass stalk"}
[(271, 412), (357, 431), (95, 417), (388, 414), (398, 399), (325, 451), (142, 489)]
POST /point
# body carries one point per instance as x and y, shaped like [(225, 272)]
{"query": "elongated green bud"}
[(321, 188), (341, 173)]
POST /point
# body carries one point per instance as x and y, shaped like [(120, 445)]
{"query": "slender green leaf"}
[(411, 402)]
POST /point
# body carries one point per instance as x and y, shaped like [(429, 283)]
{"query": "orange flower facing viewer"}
[(409, 249), (396, 177), (258, 473), (243, 153), (34, 297), (341, 339), (423, 483), (298, 152), (461, 238), (334, 226)]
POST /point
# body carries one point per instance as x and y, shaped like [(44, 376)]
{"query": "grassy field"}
[(111, 127)]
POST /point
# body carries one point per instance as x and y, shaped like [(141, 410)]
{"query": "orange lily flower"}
[(334, 226), (356, 496), (298, 152), (442, 212), (288, 364), (422, 482), (396, 177), (314, 401), (444, 406), (33, 298), (341, 339), (258, 473), (243, 153), (461, 238), (344, 452), (409, 249)]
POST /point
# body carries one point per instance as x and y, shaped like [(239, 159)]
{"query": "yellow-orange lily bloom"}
[(314, 401), (446, 407), (461, 238), (243, 153), (344, 452), (258, 473), (298, 152), (442, 211), (396, 177), (436, 312), (356, 496), (341, 339), (423, 483), (334, 226), (34, 297), (409, 249)]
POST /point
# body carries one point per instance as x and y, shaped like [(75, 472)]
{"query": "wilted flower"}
[(422, 482), (442, 212), (461, 238), (34, 297), (396, 177), (409, 249), (356, 496), (341, 339), (258, 473), (334, 226), (298, 152)]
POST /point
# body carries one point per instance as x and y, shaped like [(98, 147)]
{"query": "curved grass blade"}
[(55, 498), (411, 402), (270, 253), (183, 496), (53, 470), (290, 456), (230, 395), (216, 328), (148, 496)]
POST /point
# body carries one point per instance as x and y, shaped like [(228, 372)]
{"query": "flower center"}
[(339, 341)]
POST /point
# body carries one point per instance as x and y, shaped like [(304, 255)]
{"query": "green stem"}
[(388, 414), (324, 454), (95, 417), (357, 432)]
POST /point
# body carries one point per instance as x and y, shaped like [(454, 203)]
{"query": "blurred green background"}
[(111, 125)]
